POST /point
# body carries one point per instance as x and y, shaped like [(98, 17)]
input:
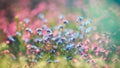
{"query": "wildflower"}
[(11, 38), (75, 60), (39, 30), (87, 22), (33, 47), (65, 21), (52, 51), (79, 18), (44, 27), (29, 30), (44, 20), (38, 40), (37, 50), (59, 42), (88, 29), (71, 39), (26, 20), (41, 16), (18, 33), (69, 46), (46, 38), (69, 57), (50, 34), (60, 27), (54, 47), (55, 33), (81, 36), (49, 30), (28, 46), (40, 56), (61, 17), (26, 40)]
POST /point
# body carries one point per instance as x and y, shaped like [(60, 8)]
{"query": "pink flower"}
[(55, 33), (96, 36)]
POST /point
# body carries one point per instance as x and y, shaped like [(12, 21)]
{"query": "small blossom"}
[(61, 17), (26, 20), (65, 21), (29, 30), (88, 29), (18, 33), (41, 16), (11, 38), (38, 40), (79, 18)]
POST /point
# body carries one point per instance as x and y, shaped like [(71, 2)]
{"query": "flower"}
[(41, 16), (65, 21), (79, 18), (26, 20), (29, 30), (11, 38)]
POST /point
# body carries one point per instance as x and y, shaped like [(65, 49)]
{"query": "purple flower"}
[(65, 21), (38, 40), (29, 30), (26, 40), (39, 30), (80, 18), (44, 27)]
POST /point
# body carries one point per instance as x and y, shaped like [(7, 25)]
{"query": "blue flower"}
[(46, 38), (87, 22), (59, 42), (53, 51), (80, 18), (49, 30), (61, 16), (18, 33), (11, 38), (60, 27), (38, 29), (26, 20), (40, 56), (69, 57), (37, 40), (65, 21), (89, 29), (50, 34), (34, 47), (44, 27), (29, 30), (41, 16), (69, 46)]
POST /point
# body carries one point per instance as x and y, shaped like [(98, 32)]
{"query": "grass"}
[(7, 62)]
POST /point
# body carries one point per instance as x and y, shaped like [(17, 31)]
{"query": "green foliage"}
[(3, 46)]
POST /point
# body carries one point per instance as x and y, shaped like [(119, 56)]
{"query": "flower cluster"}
[(50, 42)]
